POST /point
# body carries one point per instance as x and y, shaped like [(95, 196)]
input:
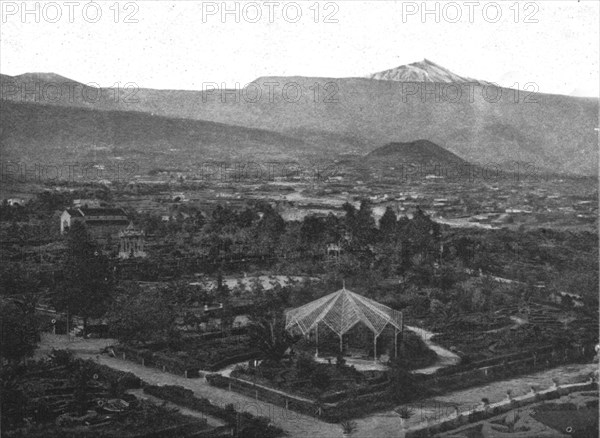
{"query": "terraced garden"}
[(63, 397)]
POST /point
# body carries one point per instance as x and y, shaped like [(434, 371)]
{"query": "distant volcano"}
[(412, 153), (424, 71)]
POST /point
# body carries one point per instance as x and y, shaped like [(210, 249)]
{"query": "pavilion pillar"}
[(395, 342), (341, 344), (401, 330), (317, 340), (374, 348)]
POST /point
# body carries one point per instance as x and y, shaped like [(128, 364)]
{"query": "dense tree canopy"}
[(86, 289)]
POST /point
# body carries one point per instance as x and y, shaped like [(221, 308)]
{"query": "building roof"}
[(74, 212), (91, 212), (131, 231), (341, 311)]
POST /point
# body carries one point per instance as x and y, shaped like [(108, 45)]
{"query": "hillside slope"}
[(333, 116), (38, 134)]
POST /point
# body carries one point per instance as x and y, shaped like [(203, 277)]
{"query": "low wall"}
[(495, 409)]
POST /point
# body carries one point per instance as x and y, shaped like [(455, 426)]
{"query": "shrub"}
[(320, 378), (405, 412), (62, 358), (403, 386), (124, 379), (348, 426), (305, 364)]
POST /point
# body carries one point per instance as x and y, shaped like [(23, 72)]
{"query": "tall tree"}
[(388, 224), (267, 322), (18, 332), (269, 230), (86, 289), (143, 315)]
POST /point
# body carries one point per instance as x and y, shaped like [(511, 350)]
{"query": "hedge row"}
[(376, 385), (209, 336), (248, 424), (126, 379), (159, 360), (498, 360), (358, 407), (183, 366)]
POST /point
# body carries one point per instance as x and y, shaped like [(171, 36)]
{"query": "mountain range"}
[(296, 118)]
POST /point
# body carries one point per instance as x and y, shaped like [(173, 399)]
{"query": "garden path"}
[(445, 357)]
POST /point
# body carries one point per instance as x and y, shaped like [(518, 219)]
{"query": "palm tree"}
[(405, 413), (348, 427), (270, 337)]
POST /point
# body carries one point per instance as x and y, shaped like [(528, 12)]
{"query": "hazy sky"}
[(173, 46)]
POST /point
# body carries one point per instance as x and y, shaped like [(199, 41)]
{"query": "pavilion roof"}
[(341, 311)]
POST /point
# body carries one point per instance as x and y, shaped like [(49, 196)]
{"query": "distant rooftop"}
[(102, 212)]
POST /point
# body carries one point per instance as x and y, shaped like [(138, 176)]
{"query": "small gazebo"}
[(341, 311)]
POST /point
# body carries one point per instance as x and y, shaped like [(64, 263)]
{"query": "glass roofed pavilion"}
[(341, 311)]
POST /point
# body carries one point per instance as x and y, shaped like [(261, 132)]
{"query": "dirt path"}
[(445, 357), (75, 344)]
